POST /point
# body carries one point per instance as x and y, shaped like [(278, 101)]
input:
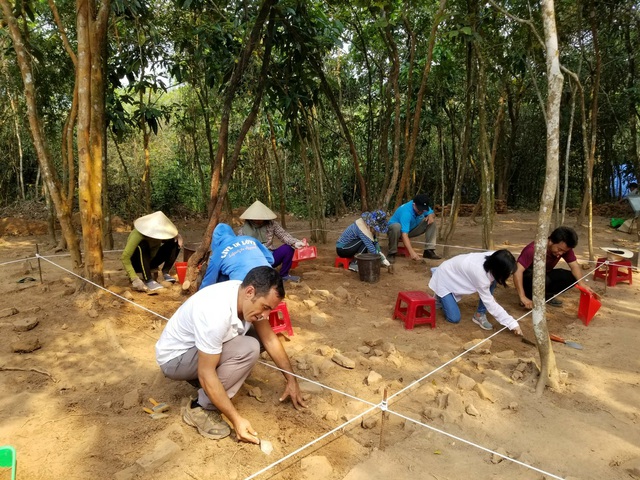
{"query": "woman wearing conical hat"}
[(154, 241), (260, 224)]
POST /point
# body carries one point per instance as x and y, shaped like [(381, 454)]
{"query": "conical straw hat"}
[(618, 252), (156, 225), (258, 211)]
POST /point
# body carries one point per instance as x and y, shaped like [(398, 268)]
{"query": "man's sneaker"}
[(480, 319), (208, 422), (291, 278), (391, 257), (431, 255), (555, 302), (353, 266), (168, 278), (152, 285)]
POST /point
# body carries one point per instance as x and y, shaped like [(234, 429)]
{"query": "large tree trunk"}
[(45, 161), (92, 35), (548, 369)]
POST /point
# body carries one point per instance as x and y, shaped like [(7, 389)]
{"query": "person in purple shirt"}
[(410, 220), (560, 244)]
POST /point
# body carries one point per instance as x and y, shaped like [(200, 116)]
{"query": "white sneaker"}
[(480, 319), (353, 266)]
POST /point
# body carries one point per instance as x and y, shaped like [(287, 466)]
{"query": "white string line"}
[(483, 341), (312, 442), (51, 256), (166, 319), (468, 442), (16, 261), (318, 383), (337, 391), (102, 288)]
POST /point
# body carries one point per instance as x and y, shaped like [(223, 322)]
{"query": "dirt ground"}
[(73, 408)]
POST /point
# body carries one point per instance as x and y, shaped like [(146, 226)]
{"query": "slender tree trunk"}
[(587, 203), (415, 126), (397, 128), (281, 189), (328, 91), (229, 95), (461, 169), (222, 186), (36, 127), (567, 156), (548, 369), (487, 182)]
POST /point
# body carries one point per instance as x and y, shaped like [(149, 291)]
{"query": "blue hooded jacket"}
[(233, 256)]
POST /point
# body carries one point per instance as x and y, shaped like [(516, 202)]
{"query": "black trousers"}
[(556, 281), (166, 256), (352, 249)]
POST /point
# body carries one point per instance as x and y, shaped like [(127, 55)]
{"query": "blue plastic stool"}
[(8, 459)]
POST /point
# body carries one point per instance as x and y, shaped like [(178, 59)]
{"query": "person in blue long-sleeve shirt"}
[(361, 236), (232, 256)]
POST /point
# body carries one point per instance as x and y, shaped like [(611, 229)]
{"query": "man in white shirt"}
[(206, 343)]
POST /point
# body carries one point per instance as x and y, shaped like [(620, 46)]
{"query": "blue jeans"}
[(451, 309)]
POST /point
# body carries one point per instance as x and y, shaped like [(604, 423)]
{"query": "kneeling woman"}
[(470, 273), (361, 236)]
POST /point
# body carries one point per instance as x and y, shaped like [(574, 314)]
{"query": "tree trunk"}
[(328, 91), (217, 199), (415, 125), (45, 161), (232, 87), (397, 128), (92, 36), (281, 189), (548, 369), (486, 169), (450, 226)]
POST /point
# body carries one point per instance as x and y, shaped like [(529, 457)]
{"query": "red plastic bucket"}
[(181, 270), (588, 307)]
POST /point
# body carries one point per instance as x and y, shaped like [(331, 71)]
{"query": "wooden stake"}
[(385, 414), (39, 266)]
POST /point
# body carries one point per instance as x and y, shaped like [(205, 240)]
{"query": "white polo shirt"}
[(206, 320)]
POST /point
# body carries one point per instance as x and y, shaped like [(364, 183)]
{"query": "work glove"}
[(298, 244), (138, 285), (384, 260)]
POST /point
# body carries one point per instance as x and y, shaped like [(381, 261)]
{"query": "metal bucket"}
[(368, 267)]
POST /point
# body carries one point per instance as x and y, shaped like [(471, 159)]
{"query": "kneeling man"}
[(560, 244), (213, 340)]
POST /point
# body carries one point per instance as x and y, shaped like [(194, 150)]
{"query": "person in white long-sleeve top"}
[(471, 273)]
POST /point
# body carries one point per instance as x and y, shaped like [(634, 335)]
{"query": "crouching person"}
[(213, 341)]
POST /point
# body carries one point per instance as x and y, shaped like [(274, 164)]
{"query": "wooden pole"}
[(385, 414), (39, 266)]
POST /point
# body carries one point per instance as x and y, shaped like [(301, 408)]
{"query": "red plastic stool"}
[(588, 307), (280, 323), (612, 272), (342, 262), (402, 250), (415, 307)]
